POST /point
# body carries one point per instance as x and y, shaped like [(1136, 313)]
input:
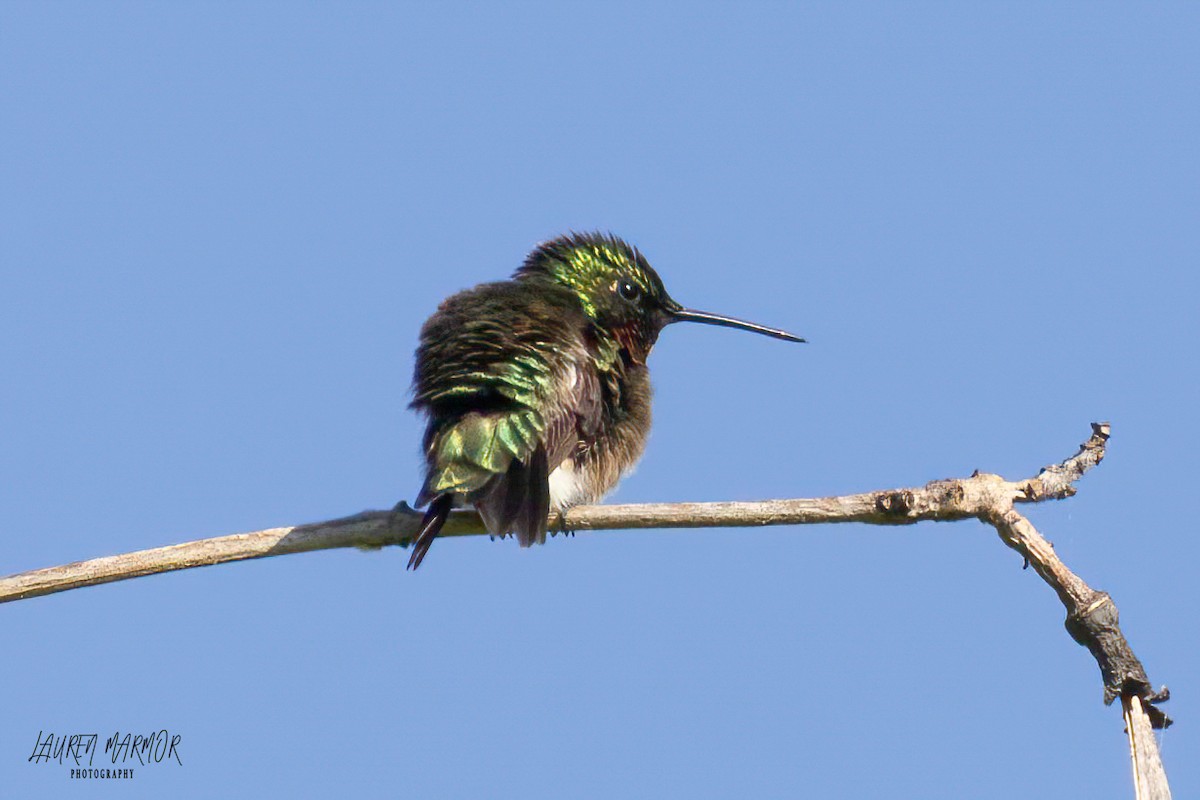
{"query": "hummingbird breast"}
[(598, 462)]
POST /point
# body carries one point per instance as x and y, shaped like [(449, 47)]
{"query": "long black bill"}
[(691, 315)]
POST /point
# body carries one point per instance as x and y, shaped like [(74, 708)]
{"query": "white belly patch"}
[(566, 487)]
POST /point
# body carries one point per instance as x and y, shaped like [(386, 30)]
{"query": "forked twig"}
[(1091, 615)]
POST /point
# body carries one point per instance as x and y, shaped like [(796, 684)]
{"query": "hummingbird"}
[(536, 389)]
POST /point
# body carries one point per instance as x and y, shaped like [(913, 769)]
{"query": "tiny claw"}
[(560, 525)]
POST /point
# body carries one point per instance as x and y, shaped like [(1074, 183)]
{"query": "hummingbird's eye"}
[(628, 289)]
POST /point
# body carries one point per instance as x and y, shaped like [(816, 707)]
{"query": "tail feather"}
[(519, 501), (435, 518), (531, 522)]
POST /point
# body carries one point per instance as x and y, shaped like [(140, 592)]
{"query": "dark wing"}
[(498, 373)]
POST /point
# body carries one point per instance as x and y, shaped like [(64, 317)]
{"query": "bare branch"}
[(1149, 777), (1091, 615)]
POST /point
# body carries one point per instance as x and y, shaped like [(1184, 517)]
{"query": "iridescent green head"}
[(619, 290)]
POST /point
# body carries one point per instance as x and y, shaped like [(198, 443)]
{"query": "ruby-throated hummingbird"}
[(536, 388)]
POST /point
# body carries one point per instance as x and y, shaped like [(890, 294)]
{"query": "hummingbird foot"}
[(560, 525)]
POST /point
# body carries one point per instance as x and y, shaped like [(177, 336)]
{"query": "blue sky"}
[(222, 227)]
